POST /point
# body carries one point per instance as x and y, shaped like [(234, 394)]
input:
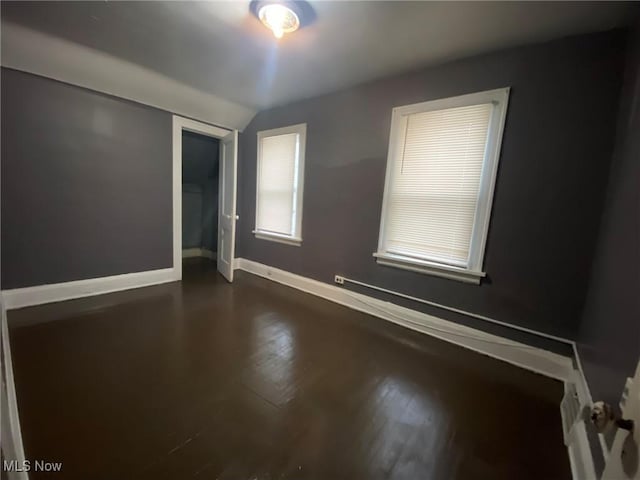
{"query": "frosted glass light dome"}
[(279, 18)]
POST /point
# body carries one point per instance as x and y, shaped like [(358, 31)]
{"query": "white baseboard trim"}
[(531, 358), (586, 400), (198, 252), (12, 447), (574, 429), (209, 254), (58, 292), (191, 252), (580, 459)]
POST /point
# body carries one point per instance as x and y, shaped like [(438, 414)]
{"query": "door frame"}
[(181, 124)]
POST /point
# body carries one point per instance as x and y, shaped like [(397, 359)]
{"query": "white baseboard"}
[(208, 254), (531, 358), (191, 252), (198, 252), (58, 292), (12, 447), (580, 459)]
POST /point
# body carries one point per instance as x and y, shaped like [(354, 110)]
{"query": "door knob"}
[(602, 415), (237, 217)]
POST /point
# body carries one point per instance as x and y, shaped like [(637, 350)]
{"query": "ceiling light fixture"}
[(283, 16), (279, 18)]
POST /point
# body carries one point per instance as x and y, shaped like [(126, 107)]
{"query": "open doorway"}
[(200, 188), (209, 225)]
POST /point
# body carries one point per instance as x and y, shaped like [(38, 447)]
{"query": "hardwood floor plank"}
[(203, 379)]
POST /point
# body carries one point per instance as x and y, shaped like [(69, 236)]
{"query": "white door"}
[(624, 458), (227, 216)]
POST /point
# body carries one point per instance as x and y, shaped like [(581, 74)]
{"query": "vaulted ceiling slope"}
[(220, 51)]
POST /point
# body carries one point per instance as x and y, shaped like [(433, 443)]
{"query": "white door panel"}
[(227, 211)]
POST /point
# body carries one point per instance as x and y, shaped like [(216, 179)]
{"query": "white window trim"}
[(276, 237), (296, 238), (473, 273)]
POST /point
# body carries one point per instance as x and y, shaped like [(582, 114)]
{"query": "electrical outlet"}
[(339, 280)]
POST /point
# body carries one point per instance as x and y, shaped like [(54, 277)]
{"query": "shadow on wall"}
[(609, 341), (199, 191), (67, 153)]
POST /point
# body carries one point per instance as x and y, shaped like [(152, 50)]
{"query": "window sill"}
[(274, 237), (428, 268)]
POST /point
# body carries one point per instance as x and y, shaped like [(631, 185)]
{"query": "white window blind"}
[(279, 195), (435, 184), (438, 181)]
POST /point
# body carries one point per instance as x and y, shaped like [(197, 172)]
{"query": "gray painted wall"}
[(200, 191), (86, 184), (556, 152), (191, 216), (609, 341)]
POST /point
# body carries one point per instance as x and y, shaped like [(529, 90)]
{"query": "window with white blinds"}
[(279, 184), (441, 170)]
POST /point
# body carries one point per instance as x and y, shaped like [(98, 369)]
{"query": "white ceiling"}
[(219, 49)]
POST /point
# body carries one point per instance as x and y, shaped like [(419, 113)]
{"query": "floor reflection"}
[(269, 372), (256, 380)]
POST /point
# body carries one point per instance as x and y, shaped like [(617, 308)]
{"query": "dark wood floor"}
[(255, 380)]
